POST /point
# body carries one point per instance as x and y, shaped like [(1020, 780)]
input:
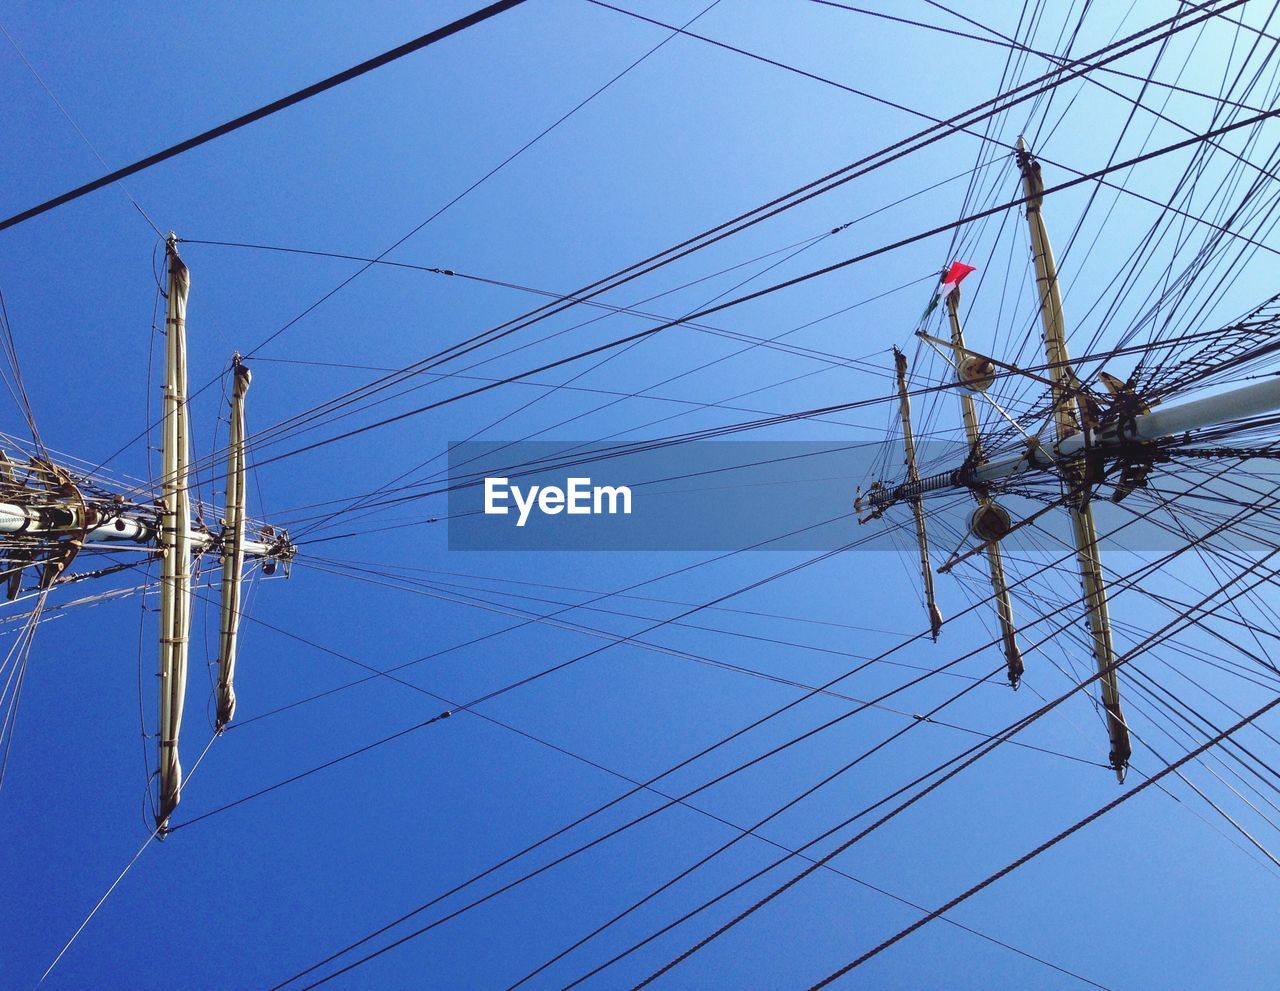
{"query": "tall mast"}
[(917, 510), (986, 505), (1072, 415)]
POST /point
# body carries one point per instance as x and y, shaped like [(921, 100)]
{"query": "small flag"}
[(951, 280)]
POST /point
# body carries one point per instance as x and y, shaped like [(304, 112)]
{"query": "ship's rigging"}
[(1136, 407)]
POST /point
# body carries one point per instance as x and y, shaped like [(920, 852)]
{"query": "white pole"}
[(1238, 404)]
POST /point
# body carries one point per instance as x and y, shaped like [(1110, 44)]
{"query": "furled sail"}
[(232, 547), (174, 539)]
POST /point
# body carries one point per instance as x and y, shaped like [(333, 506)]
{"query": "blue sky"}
[(1164, 892)]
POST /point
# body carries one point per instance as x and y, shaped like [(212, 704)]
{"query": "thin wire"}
[(120, 877), (97, 905), (1032, 854), (266, 111)]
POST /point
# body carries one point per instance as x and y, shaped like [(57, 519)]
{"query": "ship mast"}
[(1089, 439), (174, 536), (975, 373), (47, 519), (179, 545), (1072, 415), (917, 506)]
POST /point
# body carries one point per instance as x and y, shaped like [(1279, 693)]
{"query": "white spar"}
[(1235, 405), (1238, 404), (45, 525), (120, 531)]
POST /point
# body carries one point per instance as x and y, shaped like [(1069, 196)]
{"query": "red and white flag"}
[(951, 280)]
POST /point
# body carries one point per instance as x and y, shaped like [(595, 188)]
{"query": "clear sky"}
[(1173, 889)]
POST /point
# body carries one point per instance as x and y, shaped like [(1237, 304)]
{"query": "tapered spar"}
[(917, 510), (232, 547), (972, 372), (1072, 416)]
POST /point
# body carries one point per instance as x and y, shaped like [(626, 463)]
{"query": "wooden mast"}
[(995, 558), (1072, 415), (917, 510)]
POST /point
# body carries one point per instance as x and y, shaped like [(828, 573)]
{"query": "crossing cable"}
[(977, 753), (726, 822), (827, 357), (973, 753), (1138, 253), (1179, 720), (898, 149), (829, 361), (1128, 582), (600, 839), (1032, 854), (708, 433), (713, 816), (434, 215), (447, 594), (512, 686), (400, 941), (1136, 102), (83, 137), (362, 500), (751, 217), (736, 827), (555, 462), (1196, 266), (457, 595), (990, 30), (479, 182), (1149, 686), (758, 824), (346, 75), (1015, 46), (678, 799), (759, 293)]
